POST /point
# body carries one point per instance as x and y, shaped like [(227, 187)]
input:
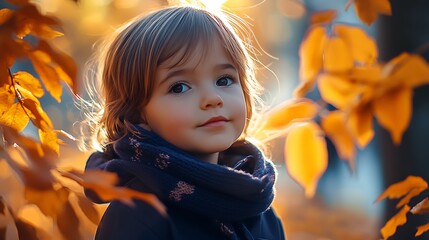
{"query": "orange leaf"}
[(40, 119), (362, 47), (393, 111), (103, 183), (323, 17), (367, 10), (47, 73), (68, 222), (334, 125), (29, 82), (409, 69), (311, 52), (407, 198), (422, 207), (360, 124), (367, 74), (289, 111), (338, 90), (337, 57), (7, 97), (50, 202), (50, 139), (399, 219), (88, 209), (5, 14), (399, 189), (306, 155), (66, 67), (422, 229), (15, 117)]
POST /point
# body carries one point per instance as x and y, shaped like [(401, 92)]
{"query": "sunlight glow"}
[(213, 5)]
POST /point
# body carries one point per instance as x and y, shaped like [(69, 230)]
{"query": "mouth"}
[(215, 121)]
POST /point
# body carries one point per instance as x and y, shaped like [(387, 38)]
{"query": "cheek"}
[(166, 116)]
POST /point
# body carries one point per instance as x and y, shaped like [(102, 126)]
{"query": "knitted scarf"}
[(238, 187)]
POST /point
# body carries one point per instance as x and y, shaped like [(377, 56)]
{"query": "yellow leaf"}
[(337, 90), (103, 184), (15, 117), (367, 10), (29, 82), (323, 17), (49, 138), (422, 207), (306, 155), (407, 198), (362, 47), (399, 189), (409, 69), (393, 111), (68, 222), (66, 67), (334, 125), (422, 229), (7, 97), (5, 14), (360, 124), (47, 73), (289, 111), (337, 57), (370, 75), (50, 202), (399, 219), (311, 52)]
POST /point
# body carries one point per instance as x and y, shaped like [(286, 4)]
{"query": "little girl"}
[(178, 93)]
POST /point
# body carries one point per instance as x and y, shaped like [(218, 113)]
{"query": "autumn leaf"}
[(323, 17), (399, 189), (360, 125), (287, 112), (363, 48), (29, 82), (5, 15), (50, 202), (103, 183), (407, 69), (7, 98), (338, 90), (306, 155), (421, 207), (398, 220), (337, 57), (50, 139), (29, 20), (422, 229), (393, 111), (68, 222), (334, 125), (48, 74), (15, 117), (367, 10), (310, 53), (88, 209)]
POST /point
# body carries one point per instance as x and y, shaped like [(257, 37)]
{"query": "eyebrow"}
[(184, 71)]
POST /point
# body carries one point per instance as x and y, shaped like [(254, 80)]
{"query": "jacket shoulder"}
[(140, 221)]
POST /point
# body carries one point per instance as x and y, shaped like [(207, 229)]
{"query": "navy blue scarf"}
[(238, 187)]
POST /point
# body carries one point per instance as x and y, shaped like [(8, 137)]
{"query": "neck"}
[(209, 158)]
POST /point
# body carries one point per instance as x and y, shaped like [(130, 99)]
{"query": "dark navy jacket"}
[(143, 222)]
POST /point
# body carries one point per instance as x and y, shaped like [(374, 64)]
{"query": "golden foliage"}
[(37, 182)]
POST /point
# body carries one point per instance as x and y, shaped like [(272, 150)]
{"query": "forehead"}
[(202, 52)]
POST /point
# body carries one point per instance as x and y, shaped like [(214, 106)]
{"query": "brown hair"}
[(127, 62)]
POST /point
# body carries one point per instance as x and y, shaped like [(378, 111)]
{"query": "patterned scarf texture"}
[(238, 187)]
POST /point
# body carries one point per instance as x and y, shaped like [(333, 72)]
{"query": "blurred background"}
[(344, 206)]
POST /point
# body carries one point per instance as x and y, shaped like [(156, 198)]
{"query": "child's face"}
[(186, 98)]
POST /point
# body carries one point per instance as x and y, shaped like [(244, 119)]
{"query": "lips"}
[(215, 121)]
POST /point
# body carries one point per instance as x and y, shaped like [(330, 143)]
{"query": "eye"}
[(179, 88), (225, 81)]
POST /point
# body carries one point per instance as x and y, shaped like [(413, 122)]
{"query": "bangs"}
[(190, 32)]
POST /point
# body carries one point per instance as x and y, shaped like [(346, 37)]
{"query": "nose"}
[(211, 99)]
